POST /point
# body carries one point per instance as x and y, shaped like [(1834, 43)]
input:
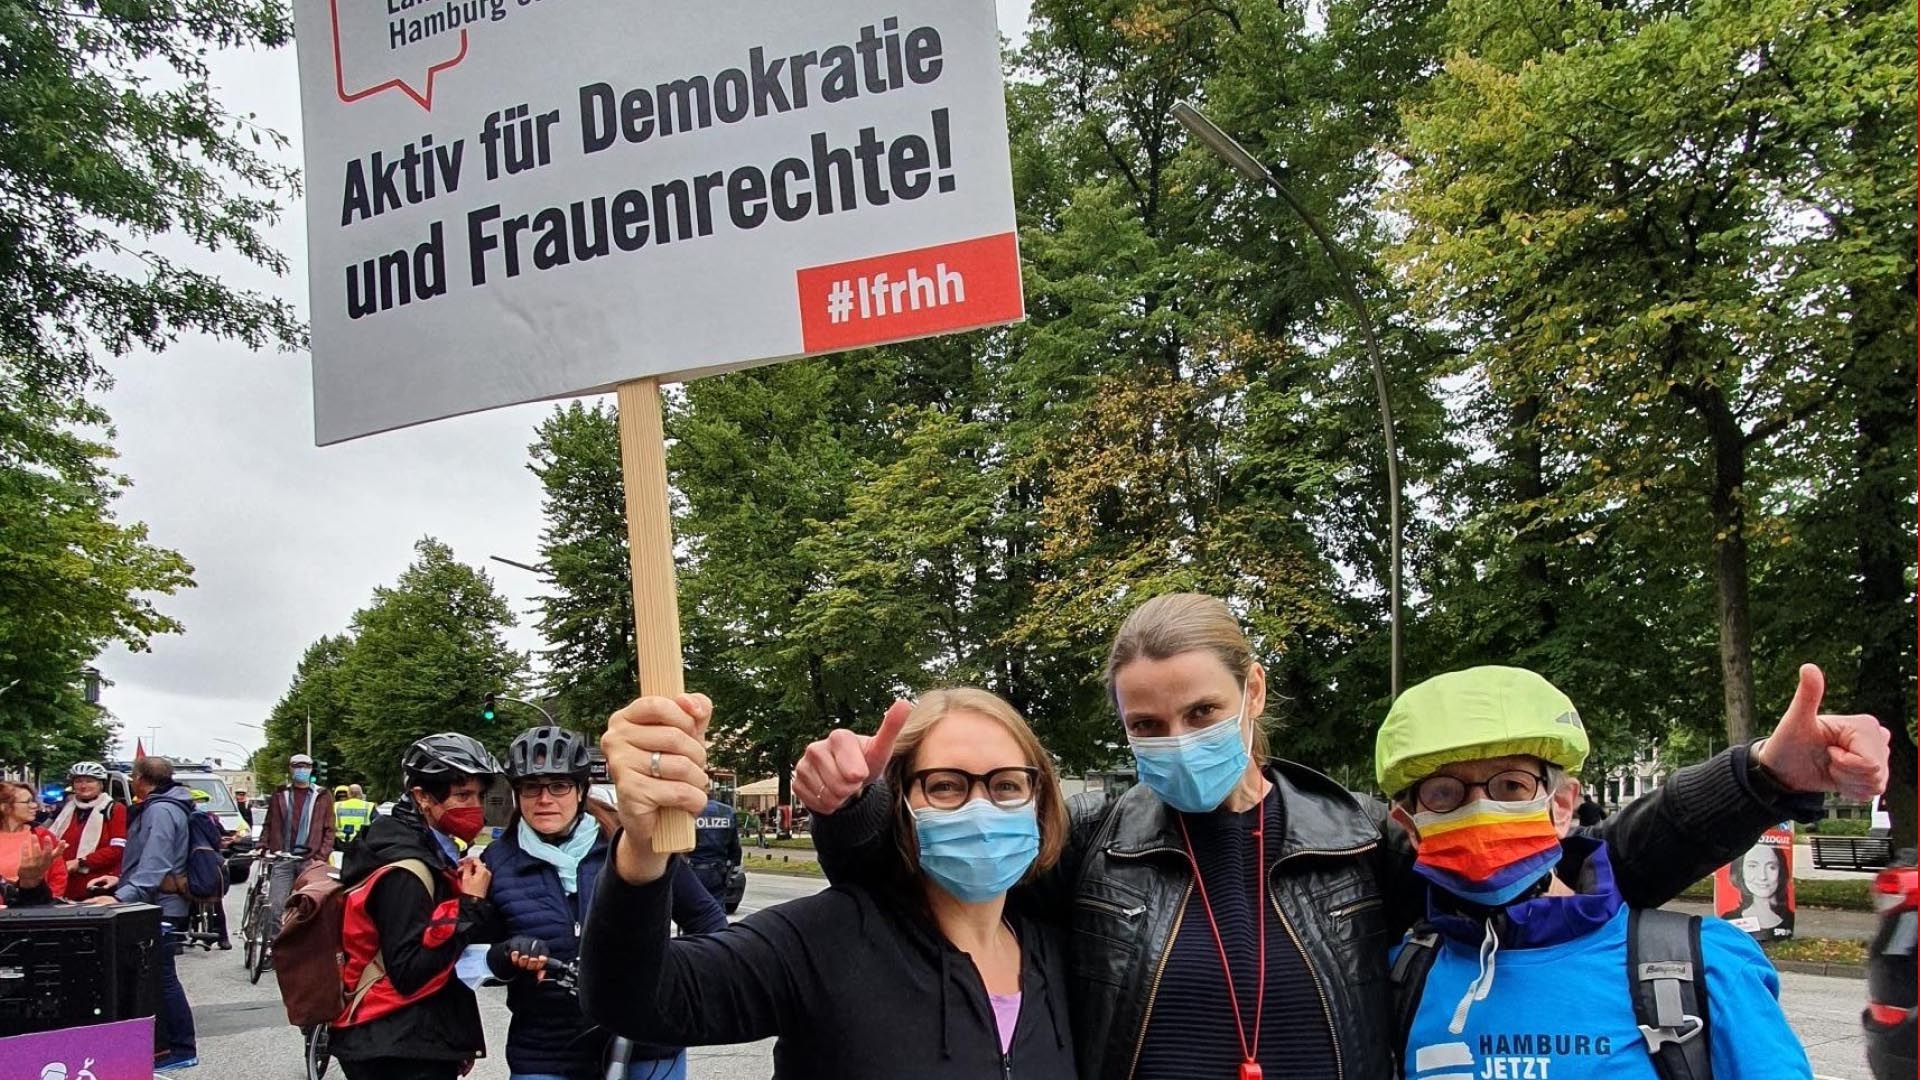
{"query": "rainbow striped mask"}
[(1488, 852)]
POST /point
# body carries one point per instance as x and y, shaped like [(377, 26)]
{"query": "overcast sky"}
[(287, 540)]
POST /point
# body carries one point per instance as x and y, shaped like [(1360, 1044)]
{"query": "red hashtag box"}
[(911, 294)]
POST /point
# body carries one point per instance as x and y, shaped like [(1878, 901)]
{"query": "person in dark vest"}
[(419, 1022), (716, 847), (545, 866), (299, 822)]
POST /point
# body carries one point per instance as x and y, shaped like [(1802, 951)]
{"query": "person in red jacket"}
[(93, 827), (22, 845)]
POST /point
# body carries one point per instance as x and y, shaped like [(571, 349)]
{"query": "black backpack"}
[(206, 867), (1663, 966)]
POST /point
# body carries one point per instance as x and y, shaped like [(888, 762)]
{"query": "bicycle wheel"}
[(256, 940), (317, 1039)]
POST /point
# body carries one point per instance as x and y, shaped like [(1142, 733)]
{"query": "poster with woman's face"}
[(1755, 891)]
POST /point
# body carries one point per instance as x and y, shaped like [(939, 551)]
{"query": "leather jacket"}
[(1341, 885)]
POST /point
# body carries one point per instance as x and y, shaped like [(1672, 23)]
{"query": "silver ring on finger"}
[(653, 765)]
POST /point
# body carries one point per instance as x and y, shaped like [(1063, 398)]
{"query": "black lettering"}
[(597, 131), (869, 48), (791, 203), (430, 265), (840, 84), (923, 55), (672, 194), (630, 220), (590, 229), (355, 203), (550, 248), (907, 172), (480, 241), (687, 101), (868, 150), (769, 94), (840, 163), (636, 116), (731, 98), (704, 186), (747, 197)]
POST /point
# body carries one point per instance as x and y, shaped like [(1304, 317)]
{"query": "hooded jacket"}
[(1343, 881), (549, 1034), (416, 946), (157, 844), (857, 983)]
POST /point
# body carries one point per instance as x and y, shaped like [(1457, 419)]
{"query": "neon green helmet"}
[(1482, 712), (201, 796)]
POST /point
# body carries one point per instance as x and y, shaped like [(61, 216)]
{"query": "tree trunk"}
[(1883, 448), (1530, 484), (1729, 559)]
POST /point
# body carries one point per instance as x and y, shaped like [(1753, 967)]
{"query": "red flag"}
[(139, 749)]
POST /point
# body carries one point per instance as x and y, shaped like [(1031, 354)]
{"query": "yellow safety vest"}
[(350, 816)]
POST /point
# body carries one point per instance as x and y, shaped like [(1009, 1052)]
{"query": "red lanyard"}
[(1249, 1051)]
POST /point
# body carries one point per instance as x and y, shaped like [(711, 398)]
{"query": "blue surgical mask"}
[(1196, 771), (302, 775), (979, 851)]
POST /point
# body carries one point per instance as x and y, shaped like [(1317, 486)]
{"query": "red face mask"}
[(462, 822)]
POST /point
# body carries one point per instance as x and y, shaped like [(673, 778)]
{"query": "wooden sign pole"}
[(656, 604)]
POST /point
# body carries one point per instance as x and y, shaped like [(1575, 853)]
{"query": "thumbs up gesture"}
[(834, 769), (1814, 751)]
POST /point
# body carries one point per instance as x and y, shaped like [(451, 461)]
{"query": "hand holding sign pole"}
[(656, 605)]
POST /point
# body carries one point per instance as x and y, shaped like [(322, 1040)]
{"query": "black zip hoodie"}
[(857, 983), (446, 1025)]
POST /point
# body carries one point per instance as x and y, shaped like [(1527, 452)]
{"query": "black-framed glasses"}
[(533, 789), (949, 789), (1440, 794)]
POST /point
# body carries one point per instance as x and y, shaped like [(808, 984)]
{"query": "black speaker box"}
[(64, 966)]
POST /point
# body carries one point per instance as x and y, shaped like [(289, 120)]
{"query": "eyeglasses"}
[(1440, 794), (948, 789), (559, 789)]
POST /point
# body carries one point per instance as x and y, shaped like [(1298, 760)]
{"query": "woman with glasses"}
[(1231, 914), (544, 868), (28, 869), (926, 972)]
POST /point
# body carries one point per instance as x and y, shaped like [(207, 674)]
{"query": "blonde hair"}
[(1178, 623), (1049, 807)]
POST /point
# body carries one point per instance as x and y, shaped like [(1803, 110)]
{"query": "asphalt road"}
[(244, 1035)]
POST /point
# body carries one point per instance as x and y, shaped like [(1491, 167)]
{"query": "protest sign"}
[(513, 200), (117, 1051)]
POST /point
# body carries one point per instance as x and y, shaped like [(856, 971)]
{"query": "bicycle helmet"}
[(88, 768), (1482, 712), (549, 751), (449, 754)]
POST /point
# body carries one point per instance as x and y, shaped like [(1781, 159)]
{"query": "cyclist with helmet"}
[(1529, 960), (422, 906), (544, 868), (92, 826)]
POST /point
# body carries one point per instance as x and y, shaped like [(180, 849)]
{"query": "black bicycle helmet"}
[(449, 754), (549, 751)]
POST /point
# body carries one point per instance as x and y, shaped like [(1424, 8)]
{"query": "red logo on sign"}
[(911, 294)]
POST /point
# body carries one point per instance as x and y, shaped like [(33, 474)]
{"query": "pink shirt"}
[(1006, 1013)]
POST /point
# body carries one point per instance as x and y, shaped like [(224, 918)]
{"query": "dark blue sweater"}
[(1191, 1031), (549, 1033)]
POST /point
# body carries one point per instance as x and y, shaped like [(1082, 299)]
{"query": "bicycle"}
[(253, 923)]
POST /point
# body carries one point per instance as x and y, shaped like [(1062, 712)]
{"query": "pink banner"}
[(119, 1051)]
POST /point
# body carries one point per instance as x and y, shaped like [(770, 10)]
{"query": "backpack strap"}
[(376, 968), (1409, 979), (1668, 982)]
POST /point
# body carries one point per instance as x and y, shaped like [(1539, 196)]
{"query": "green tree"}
[(587, 616), (425, 652), (318, 693), (73, 579), (1636, 217), (111, 134)]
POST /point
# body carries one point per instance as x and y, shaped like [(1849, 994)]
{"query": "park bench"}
[(1851, 852)]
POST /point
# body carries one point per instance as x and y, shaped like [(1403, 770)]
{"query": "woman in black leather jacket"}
[(1232, 913)]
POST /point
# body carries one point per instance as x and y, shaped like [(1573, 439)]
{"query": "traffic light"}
[(488, 710), (320, 772)]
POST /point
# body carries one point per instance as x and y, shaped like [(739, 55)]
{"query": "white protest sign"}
[(513, 200)]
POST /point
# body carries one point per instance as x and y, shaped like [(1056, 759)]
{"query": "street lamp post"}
[(530, 705), (1250, 167)]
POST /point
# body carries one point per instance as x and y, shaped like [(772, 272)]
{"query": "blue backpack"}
[(206, 867)]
